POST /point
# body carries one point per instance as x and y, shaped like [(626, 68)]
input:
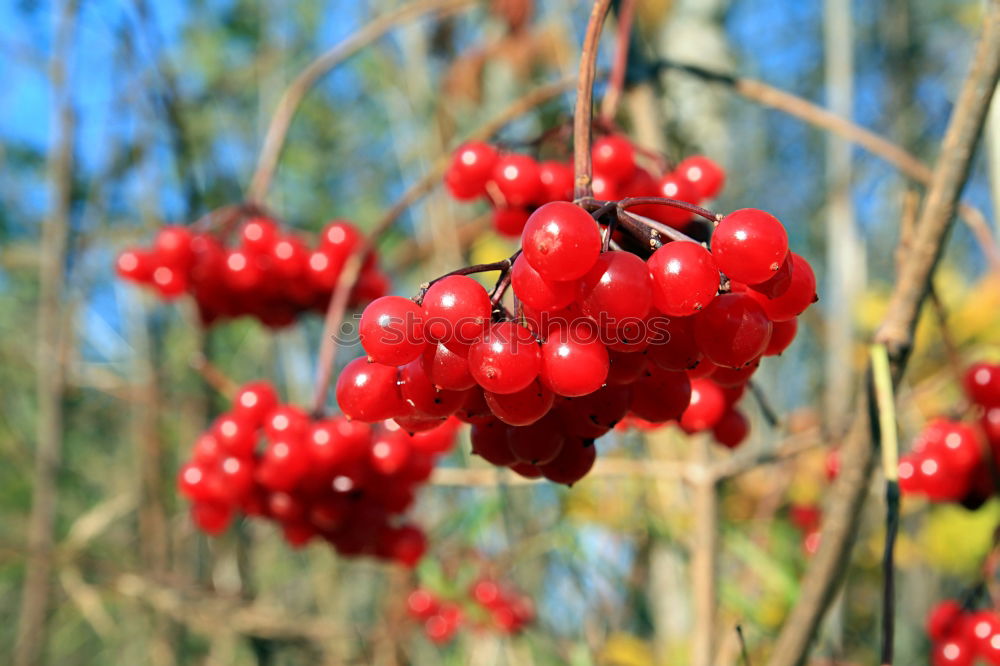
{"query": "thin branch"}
[(274, 140), (841, 517), (623, 43), (214, 376), (583, 115), (815, 115), (52, 344), (885, 436)]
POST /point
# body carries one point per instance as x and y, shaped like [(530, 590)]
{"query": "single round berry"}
[(661, 395), (618, 288), (672, 344), (733, 330), (136, 265), (456, 311), (539, 442), (614, 156), (731, 428), (557, 179), (172, 246), (471, 167), (685, 278), (258, 234), (590, 416), (368, 391), (447, 369), (561, 241), (750, 245), (538, 293), (574, 461), (339, 238), (254, 401), (782, 335), (708, 404), (489, 441), (510, 220), (391, 330), (419, 391), (523, 407), (705, 175), (801, 293), (982, 384), (574, 361), (518, 179), (506, 360)]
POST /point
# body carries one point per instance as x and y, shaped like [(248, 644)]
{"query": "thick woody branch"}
[(841, 518)]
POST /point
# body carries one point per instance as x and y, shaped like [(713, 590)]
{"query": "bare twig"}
[(274, 140), (583, 115), (52, 347), (623, 42), (813, 114), (841, 517)]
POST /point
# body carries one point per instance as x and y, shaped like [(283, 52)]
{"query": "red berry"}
[(952, 652), (624, 368), (782, 335), (799, 295), (419, 391), (575, 459), (707, 406), (192, 482), (518, 179), (523, 407), (368, 391), (574, 361), (510, 220), (254, 401), (390, 451), (446, 369), (750, 245), (339, 238), (661, 396), (391, 330), (538, 293), (731, 428), (136, 265), (685, 278), (526, 470), (539, 442), (673, 345), (561, 241), (557, 179), (671, 187), (258, 234), (241, 271), (284, 464), (235, 434), (421, 604), (286, 421), (470, 169), (590, 416), (170, 282), (614, 156), (982, 384), (289, 257), (506, 360), (211, 518), (489, 441), (732, 331), (704, 174), (456, 311), (618, 288), (173, 247), (778, 283)]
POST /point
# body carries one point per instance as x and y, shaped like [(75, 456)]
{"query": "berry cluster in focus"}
[(271, 273), (343, 481)]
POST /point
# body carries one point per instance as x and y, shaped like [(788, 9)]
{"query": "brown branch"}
[(616, 81), (815, 115), (583, 115), (274, 140), (842, 515), (53, 340), (214, 376)]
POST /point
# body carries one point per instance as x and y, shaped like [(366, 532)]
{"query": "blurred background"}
[(123, 115)]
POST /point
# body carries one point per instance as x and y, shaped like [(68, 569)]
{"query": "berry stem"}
[(616, 81), (503, 266), (674, 203), (665, 229), (583, 114)]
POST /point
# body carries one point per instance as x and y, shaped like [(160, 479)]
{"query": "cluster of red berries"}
[(270, 274), (344, 481), (951, 461), (599, 335), (961, 636), (517, 184), (488, 605)]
